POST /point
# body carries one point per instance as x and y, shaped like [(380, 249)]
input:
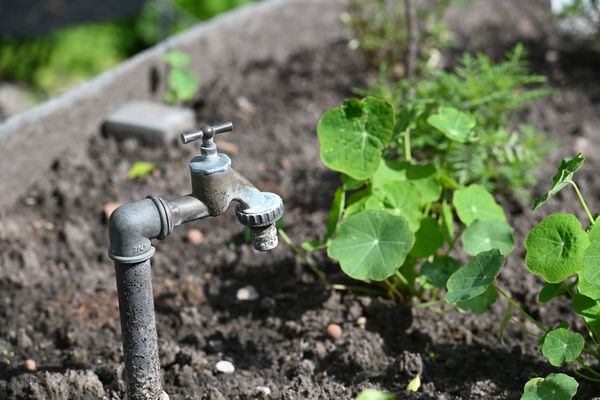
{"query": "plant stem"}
[(321, 275), (587, 367), (583, 203), (589, 378), (520, 309), (393, 288), (407, 151), (307, 260)]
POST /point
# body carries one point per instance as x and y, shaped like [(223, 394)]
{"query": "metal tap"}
[(132, 227)]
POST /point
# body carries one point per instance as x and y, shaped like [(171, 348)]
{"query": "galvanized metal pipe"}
[(138, 330)]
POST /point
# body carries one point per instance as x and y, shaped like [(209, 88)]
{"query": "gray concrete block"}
[(150, 122)]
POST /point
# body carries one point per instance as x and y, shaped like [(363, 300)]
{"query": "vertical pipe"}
[(138, 326)]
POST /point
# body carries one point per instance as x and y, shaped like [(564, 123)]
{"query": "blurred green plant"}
[(181, 82), (388, 31), (53, 63), (500, 155)]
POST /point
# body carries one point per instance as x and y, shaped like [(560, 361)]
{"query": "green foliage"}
[(182, 85), (375, 25), (58, 61), (354, 136), (454, 124), (371, 244), (475, 278), (374, 394), (140, 169), (462, 121), (486, 235), (476, 203), (560, 346), (553, 387), (555, 247), (563, 176)]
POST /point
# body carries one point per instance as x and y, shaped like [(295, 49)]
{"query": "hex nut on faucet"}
[(132, 226)]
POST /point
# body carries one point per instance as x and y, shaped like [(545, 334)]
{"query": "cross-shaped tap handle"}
[(206, 132)]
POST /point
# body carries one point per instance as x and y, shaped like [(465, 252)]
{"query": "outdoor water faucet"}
[(132, 226)]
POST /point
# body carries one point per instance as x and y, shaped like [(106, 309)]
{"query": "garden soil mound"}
[(59, 302)]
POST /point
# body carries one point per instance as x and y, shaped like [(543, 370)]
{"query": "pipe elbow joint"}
[(130, 229)]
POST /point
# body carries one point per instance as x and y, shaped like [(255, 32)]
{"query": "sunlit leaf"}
[(553, 387), (474, 278), (486, 235), (555, 247), (475, 202), (374, 394), (563, 176), (454, 124), (140, 169), (560, 346), (352, 137), (371, 244)]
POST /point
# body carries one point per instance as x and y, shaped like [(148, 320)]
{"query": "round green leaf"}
[(486, 235), (428, 239), (353, 136), (553, 387), (439, 270), (454, 124), (374, 394), (371, 244), (555, 247), (560, 346), (183, 83), (474, 278), (400, 198), (475, 202)]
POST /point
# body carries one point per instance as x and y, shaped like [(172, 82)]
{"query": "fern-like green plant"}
[(501, 155)]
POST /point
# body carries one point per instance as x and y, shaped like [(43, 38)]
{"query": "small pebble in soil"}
[(247, 293), (361, 322), (264, 390), (225, 367), (109, 208), (334, 330), (194, 236), (30, 365)]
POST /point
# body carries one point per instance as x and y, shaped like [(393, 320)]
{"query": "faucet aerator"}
[(264, 238)]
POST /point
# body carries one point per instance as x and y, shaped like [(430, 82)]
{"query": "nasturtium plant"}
[(182, 84), (374, 394), (475, 278), (555, 247), (487, 235), (475, 202), (140, 169), (561, 345), (354, 136), (553, 387), (372, 244), (563, 176), (454, 124)]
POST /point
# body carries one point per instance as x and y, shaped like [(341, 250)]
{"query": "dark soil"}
[(59, 302)]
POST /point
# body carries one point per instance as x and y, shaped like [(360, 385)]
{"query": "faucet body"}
[(132, 227)]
